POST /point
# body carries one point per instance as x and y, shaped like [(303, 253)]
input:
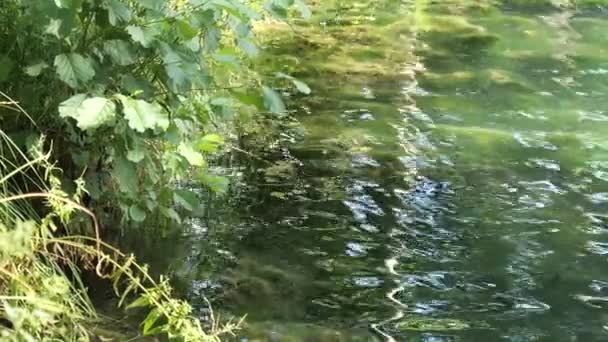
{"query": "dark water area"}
[(447, 181)]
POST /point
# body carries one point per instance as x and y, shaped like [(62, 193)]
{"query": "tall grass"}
[(42, 296)]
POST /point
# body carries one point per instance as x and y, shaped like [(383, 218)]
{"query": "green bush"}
[(133, 93)]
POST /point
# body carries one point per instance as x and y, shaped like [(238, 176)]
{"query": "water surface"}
[(447, 181)]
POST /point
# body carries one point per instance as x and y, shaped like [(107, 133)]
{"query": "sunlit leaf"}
[(150, 320), (193, 157), (143, 35), (91, 113), (210, 143), (35, 69), (136, 151), (140, 302), (142, 115)]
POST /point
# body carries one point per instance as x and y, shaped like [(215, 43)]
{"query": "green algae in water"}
[(454, 158)]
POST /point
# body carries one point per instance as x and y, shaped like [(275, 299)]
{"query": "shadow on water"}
[(449, 184)]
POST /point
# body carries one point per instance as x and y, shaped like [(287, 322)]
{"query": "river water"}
[(446, 180)]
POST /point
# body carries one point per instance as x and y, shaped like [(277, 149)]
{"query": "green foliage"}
[(133, 90), (132, 95), (42, 297)]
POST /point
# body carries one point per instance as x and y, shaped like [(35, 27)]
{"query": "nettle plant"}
[(131, 91)]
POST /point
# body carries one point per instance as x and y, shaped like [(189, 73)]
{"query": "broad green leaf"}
[(68, 108), (119, 51), (142, 34), (173, 134), (272, 101), (186, 198), (54, 28), (63, 21), (125, 173), (215, 183), (177, 75), (137, 213), (74, 69), (91, 113), (186, 30), (142, 115), (118, 12), (192, 156), (35, 69), (210, 143), (136, 151)]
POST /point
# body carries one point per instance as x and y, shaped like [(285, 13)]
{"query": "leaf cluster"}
[(131, 91)]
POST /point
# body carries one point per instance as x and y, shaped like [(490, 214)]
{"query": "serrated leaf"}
[(210, 143), (118, 12), (141, 34), (91, 113), (137, 213), (120, 51), (142, 115), (35, 69), (74, 69), (150, 320), (215, 183), (192, 156), (273, 101)]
